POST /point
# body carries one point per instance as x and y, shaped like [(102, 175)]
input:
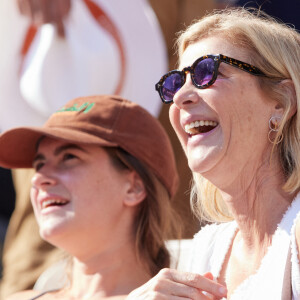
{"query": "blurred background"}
[(55, 50)]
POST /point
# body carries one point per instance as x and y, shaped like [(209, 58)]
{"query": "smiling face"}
[(223, 129), (77, 192)]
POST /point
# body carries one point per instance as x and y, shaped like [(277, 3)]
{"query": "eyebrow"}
[(60, 149)]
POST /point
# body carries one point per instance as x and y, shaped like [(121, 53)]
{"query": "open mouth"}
[(197, 127), (54, 202)]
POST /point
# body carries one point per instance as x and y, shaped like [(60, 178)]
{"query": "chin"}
[(203, 161), (52, 233), (200, 168)]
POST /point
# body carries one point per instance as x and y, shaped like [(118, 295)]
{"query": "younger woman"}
[(104, 178)]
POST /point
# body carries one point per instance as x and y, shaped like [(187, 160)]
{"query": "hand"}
[(46, 11), (174, 285)]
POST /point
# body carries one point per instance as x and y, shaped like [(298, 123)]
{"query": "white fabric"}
[(86, 62), (180, 251), (53, 278), (211, 245), (295, 263)]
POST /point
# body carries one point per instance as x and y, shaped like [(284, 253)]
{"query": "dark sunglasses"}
[(204, 72)]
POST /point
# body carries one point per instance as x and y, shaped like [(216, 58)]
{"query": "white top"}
[(211, 245)]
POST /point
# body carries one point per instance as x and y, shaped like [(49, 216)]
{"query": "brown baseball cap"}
[(103, 120)]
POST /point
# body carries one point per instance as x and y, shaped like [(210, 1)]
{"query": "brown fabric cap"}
[(103, 120)]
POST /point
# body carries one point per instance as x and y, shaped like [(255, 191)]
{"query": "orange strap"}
[(104, 21), (29, 37)]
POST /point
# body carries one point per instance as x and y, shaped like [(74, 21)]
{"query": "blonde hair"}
[(274, 48)]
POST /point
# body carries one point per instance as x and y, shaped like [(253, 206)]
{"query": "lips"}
[(199, 126), (53, 202)]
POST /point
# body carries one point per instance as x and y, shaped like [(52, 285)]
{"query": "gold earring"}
[(274, 123)]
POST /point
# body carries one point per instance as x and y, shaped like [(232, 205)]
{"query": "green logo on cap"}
[(85, 107)]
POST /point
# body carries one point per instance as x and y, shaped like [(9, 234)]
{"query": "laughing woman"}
[(234, 106), (104, 178)]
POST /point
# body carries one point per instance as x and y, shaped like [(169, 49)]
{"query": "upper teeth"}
[(46, 203), (187, 127)]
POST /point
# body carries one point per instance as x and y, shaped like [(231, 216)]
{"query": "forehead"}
[(211, 45)]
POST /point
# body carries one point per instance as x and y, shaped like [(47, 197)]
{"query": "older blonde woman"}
[(234, 106)]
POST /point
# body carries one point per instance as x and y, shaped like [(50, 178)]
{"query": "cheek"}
[(88, 194), (174, 115), (247, 128), (33, 197)]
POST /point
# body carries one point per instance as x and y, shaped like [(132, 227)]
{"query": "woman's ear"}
[(289, 91), (136, 191)]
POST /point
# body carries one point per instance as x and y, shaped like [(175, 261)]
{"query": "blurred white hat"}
[(110, 47)]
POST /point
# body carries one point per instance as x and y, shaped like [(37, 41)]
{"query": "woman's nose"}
[(43, 180), (187, 94)]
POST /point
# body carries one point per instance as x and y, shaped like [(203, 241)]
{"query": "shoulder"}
[(24, 295)]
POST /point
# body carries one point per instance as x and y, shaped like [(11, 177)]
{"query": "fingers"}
[(46, 11), (23, 7), (208, 275), (174, 285), (32, 9), (58, 10), (197, 281), (60, 28), (162, 286)]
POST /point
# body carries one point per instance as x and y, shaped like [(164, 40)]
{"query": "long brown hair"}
[(156, 220)]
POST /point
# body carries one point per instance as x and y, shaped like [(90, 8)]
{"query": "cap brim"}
[(18, 146)]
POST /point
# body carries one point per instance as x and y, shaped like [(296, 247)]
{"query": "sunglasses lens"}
[(170, 86), (204, 71)]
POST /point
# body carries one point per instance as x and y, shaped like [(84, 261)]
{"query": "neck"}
[(110, 274), (258, 204), (257, 217)]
